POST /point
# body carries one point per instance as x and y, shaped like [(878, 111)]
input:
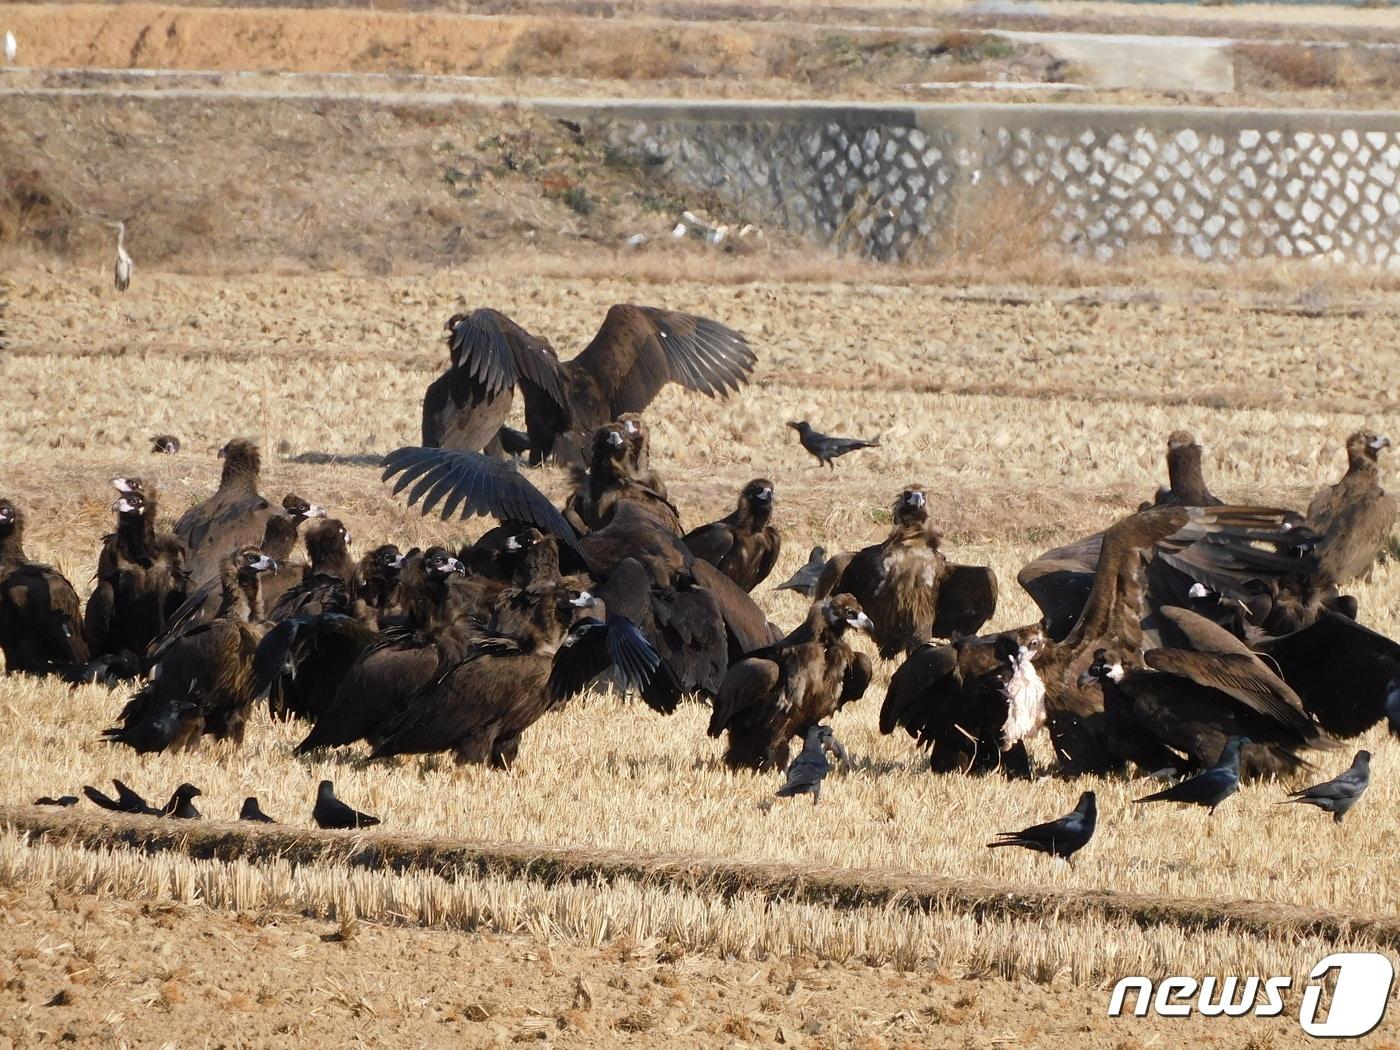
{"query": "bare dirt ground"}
[(87, 970)]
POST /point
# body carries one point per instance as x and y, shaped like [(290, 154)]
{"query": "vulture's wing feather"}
[(477, 484), (640, 349), (497, 354)]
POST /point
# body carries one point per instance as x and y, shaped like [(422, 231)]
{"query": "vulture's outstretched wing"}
[(477, 484), (1342, 670), (640, 349), (496, 354)]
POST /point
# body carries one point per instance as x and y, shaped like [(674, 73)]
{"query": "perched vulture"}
[(202, 681), (638, 350), (41, 625), (141, 579), (1354, 517), (777, 693), (235, 516), (906, 586), (1186, 484), (743, 545)]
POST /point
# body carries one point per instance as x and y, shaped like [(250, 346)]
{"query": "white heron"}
[(122, 270), (11, 48)]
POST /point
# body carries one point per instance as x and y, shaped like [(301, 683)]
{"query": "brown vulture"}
[(610, 480), (141, 578), (1354, 517), (638, 350), (234, 516), (776, 693), (279, 543), (1186, 484), (906, 586), (201, 683), (41, 624), (743, 545)]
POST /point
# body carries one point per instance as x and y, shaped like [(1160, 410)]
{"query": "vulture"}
[(376, 683), (972, 704), (638, 350), (1194, 700), (1186, 484), (610, 480), (689, 611), (41, 625), (235, 516), (279, 543), (141, 579), (1354, 517), (327, 581), (906, 586), (639, 452), (201, 681), (377, 580), (743, 545), (1256, 575), (505, 683), (777, 693)]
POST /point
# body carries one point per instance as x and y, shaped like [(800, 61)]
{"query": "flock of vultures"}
[(1194, 638)]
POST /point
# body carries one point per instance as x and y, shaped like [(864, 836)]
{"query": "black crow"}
[(804, 580), (330, 812), (1338, 795), (155, 730), (251, 811), (180, 805), (515, 443), (825, 447), (1213, 786), (63, 800), (127, 801), (1061, 838)]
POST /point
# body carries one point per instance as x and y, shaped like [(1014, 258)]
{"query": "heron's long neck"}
[(121, 237)]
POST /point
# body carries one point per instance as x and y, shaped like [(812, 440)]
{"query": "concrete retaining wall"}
[(1213, 184)]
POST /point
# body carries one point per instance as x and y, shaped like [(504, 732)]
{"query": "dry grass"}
[(1016, 457), (649, 918)]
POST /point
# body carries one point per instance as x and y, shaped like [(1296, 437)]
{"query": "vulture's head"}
[(842, 612), (299, 509), (1107, 667)]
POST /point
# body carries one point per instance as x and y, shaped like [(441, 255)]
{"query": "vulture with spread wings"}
[(638, 350)]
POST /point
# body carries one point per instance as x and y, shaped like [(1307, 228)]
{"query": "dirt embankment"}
[(149, 36)]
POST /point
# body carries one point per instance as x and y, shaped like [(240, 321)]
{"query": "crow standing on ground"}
[(1338, 795), (825, 447), (810, 767), (180, 805), (1213, 786), (330, 812), (1061, 838), (251, 811)]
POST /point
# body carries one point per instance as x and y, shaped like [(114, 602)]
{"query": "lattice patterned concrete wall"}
[(1213, 184)]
